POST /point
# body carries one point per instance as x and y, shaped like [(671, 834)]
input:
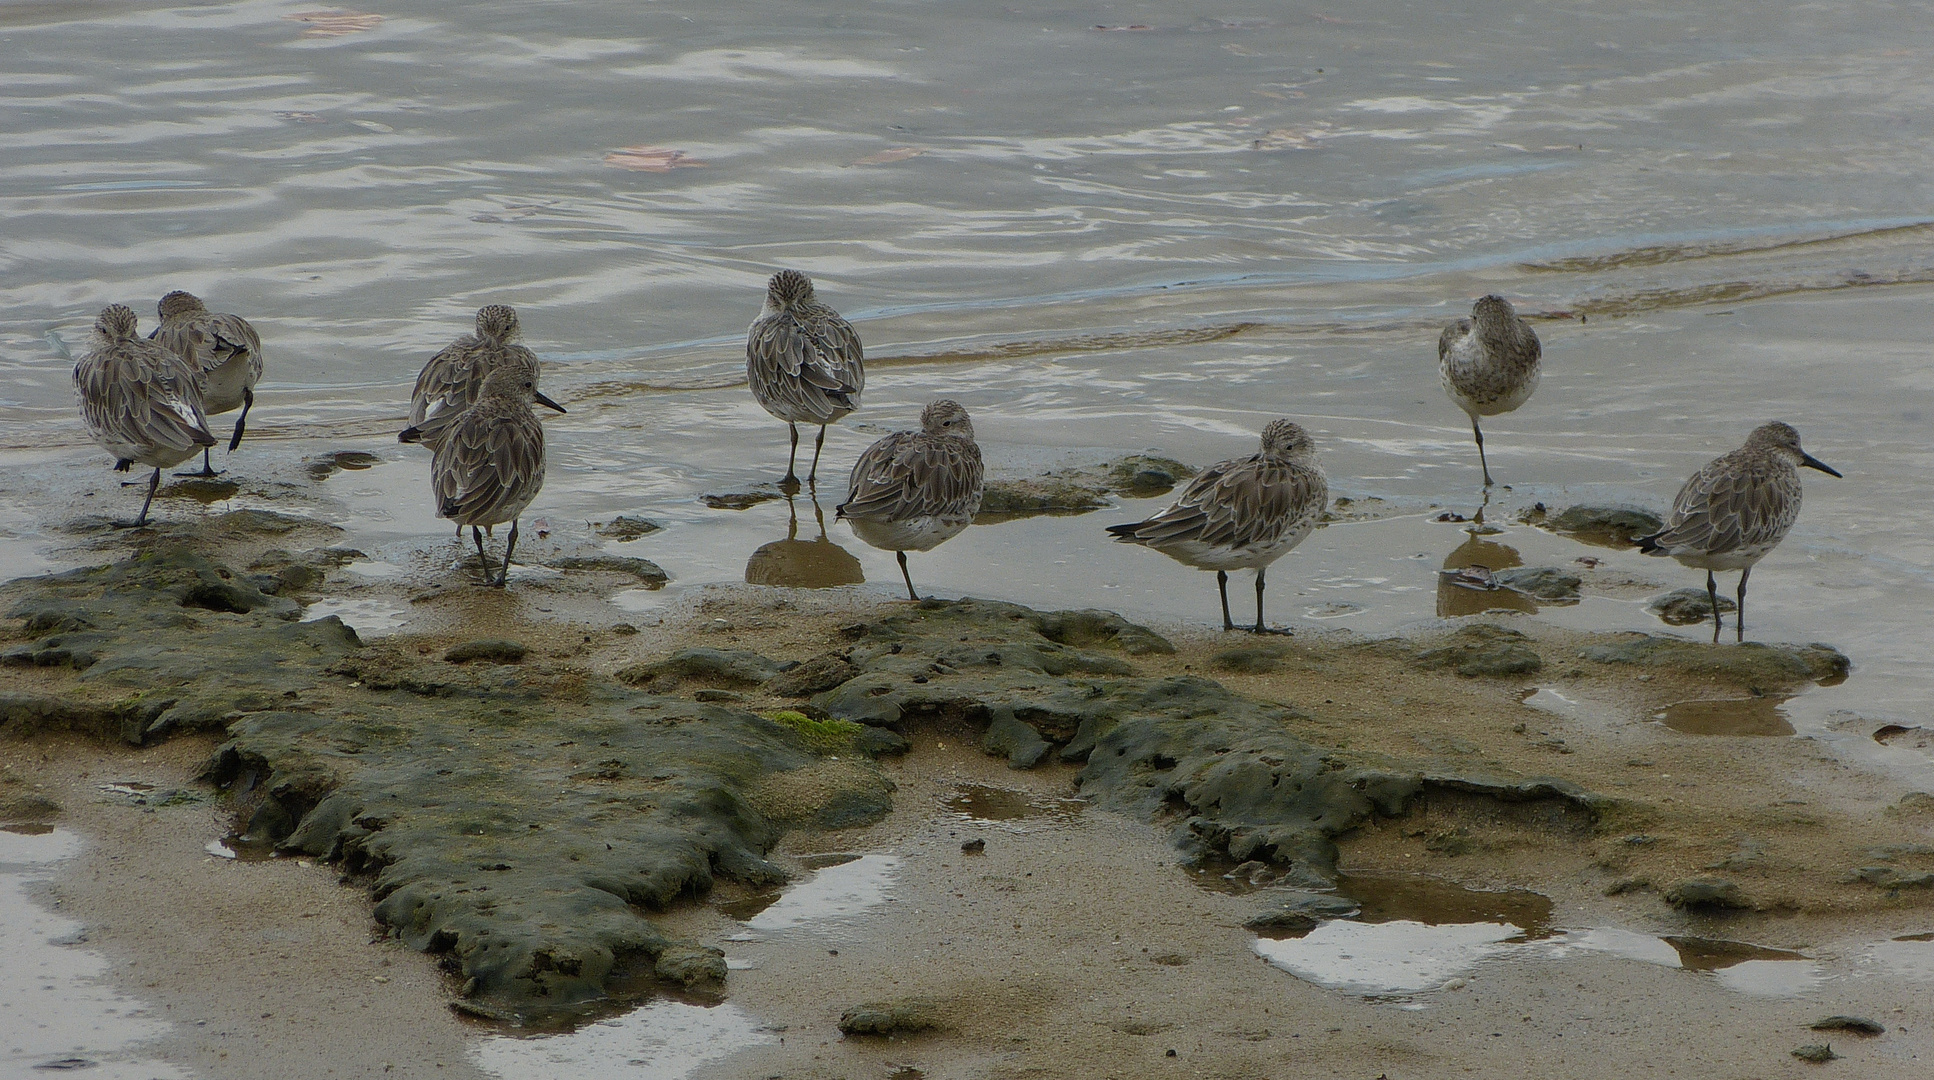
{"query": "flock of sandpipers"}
[(147, 401)]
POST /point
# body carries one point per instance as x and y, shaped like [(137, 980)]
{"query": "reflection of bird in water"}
[(803, 564), (1244, 512), (803, 362), (453, 379), (1489, 364), (140, 401), (1735, 510), (914, 490), (490, 462), (1467, 585), (223, 349)]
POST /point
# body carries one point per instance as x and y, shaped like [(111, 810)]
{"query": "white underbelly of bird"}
[(913, 534)]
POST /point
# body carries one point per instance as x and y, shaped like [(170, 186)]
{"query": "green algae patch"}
[(823, 736)]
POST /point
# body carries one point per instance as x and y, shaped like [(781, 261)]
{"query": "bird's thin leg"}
[(791, 482), (902, 556), (154, 484), (509, 546), (477, 535), (1222, 586), (207, 466), (818, 512), (248, 399), (1259, 626), (812, 474), (1486, 465), (1712, 594), (1739, 614)]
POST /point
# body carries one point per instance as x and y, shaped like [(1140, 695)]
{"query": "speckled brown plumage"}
[(914, 490), (1489, 364), (1245, 512), (803, 362), (489, 464), (1737, 508), (140, 401), (224, 351)]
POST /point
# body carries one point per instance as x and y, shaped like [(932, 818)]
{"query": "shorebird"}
[(1489, 364), (804, 363), (914, 490), (453, 379), (140, 401), (225, 352), (1735, 510), (1243, 512), (489, 464)]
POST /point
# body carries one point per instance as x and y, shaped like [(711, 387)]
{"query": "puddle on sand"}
[(665, 1040), (981, 802), (833, 895), (55, 1013), (369, 617), (1412, 934), (1469, 592), (1727, 716), (1911, 957), (1416, 934)]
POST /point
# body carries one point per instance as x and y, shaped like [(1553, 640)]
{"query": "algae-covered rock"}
[(1749, 664), (1816, 1053), (1221, 770), (1294, 913), (1483, 649), (1547, 583), (1715, 893), (905, 1016), (647, 572), (1081, 489), (176, 642), (1607, 526), (494, 650), (1020, 744), (814, 676), (1859, 1025), (625, 529), (734, 667), (1684, 607)]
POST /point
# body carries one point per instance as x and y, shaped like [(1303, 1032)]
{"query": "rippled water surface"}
[(1102, 227)]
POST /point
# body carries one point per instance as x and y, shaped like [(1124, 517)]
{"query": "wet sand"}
[(1074, 945)]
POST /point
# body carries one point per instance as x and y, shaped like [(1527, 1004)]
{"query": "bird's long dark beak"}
[(549, 404), (1812, 462)]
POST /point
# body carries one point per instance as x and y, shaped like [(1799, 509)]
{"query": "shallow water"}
[(57, 1011), (1099, 239)]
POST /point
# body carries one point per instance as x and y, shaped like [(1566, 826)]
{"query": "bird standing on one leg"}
[(913, 490), (140, 401), (803, 362), (489, 464), (224, 351), (1489, 364), (1735, 510), (1246, 512)]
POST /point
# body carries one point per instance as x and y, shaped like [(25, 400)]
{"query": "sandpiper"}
[(1489, 364), (914, 490), (225, 352), (804, 363), (453, 379), (489, 464), (1246, 512), (1735, 510), (140, 401)]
